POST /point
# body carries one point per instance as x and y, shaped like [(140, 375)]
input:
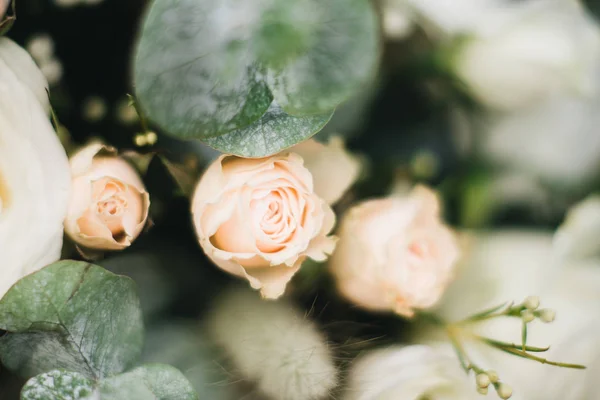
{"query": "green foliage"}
[(80, 328), (71, 315), (149, 382), (239, 73)]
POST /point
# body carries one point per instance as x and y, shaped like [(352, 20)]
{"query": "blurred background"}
[(496, 104)]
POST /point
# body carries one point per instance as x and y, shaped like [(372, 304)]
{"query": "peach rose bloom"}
[(395, 253), (109, 204), (259, 219)]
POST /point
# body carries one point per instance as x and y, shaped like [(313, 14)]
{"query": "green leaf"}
[(193, 72), (343, 57), (71, 315), (210, 68), (58, 384), (274, 132), (148, 382)]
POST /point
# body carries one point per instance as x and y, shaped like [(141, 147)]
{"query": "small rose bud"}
[(483, 380), (527, 316), (109, 204), (547, 315), (482, 390), (3, 7), (493, 376), (532, 302), (504, 391)]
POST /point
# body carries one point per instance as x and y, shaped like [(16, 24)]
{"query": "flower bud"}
[(3, 7), (527, 316), (482, 390), (532, 302), (109, 204), (547, 315), (493, 376), (483, 380), (504, 391)]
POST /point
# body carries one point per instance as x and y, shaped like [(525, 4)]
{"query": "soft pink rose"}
[(395, 253), (109, 204), (261, 218)]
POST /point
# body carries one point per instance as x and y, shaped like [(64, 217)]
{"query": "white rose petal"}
[(34, 170)]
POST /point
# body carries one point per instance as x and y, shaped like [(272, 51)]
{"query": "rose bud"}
[(3, 8), (259, 219), (395, 253), (109, 204)]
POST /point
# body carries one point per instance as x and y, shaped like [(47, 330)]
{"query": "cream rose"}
[(34, 171), (395, 253), (261, 218), (109, 204)]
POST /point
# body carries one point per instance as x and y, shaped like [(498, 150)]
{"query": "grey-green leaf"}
[(209, 69), (71, 315), (58, 384), (149, 382), (275, 131), (194, 73), (342, 58)]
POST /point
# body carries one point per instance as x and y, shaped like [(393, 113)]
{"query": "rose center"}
[(111, 205), (4, 194)]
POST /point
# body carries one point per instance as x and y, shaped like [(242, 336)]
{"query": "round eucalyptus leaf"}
[(71, 315), (275, 131), (209, 69), (193, 71), (148, 382), (58, 384), (343, 57)]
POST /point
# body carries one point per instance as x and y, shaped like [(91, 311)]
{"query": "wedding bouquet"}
[(299, 199)]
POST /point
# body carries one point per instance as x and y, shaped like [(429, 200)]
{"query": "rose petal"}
[(333, 168)]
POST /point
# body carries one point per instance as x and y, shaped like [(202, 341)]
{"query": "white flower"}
[(512, 265), (545, 48), (556, 141), (34, 170), (411, 372), (578, 236)]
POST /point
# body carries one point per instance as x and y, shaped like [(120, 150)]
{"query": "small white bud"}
[(532, 302), (547, 315), (504, 391), (493, 376), (151, 138), (140, 140), (483, 380), (527, 316), (482, 390)]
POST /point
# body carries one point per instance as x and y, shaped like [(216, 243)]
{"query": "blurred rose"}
[(3, 7), (260, 218), (34, 172), (509, 266), (395, 253), (548, 47), (109, 204), (410, 372)]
